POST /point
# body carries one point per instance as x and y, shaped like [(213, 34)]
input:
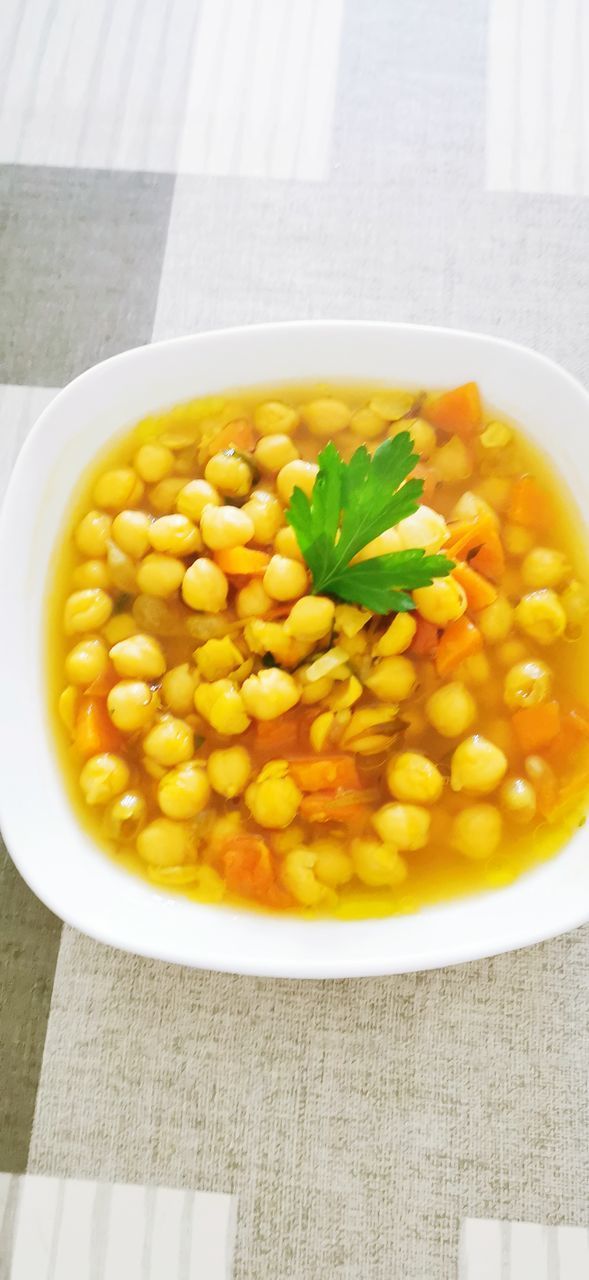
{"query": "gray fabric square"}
[(80, 261)]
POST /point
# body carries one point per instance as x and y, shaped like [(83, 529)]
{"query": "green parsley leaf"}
[(351, 504)]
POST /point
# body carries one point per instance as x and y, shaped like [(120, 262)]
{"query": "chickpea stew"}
[(323, 650)]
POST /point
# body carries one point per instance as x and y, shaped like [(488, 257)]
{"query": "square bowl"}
[(54, 854)]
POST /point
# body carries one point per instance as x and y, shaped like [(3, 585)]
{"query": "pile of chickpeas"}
[(209, 694)]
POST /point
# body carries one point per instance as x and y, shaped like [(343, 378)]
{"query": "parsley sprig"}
[(351, 504)]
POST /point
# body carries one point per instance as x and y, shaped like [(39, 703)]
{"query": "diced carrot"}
[(457, 412), (94, 730), (479, 542), (325, 773), (529, 504), (425, 640), (241, 561), (278, 736), (536, 727), (238, 434), (336, 806), (577, 719), (460, 640), (247, 864), (479, 592), (490, 560), (103, 683), (430, 480)]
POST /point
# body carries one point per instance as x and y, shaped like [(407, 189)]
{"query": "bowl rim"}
[(570, 914)]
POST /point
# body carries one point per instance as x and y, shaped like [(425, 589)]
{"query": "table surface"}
[(173, 166)]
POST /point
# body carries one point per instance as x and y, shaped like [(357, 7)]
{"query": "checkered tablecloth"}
[(173, 165)]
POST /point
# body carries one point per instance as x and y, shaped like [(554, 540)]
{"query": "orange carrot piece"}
[(94, 730), (536, 727), (479, 542), (429, 477), (335, 806), (457, 412), (326, 773), (460, 640), (103, 683), (241, 561), (479, 592), (238, 434), (425, 640), (577, 719), (247, 864), (490, 560), (529, 504), (278, 736)]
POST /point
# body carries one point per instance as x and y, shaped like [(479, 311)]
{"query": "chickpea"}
[(205, 586), (366, 424), (518, 799), (296, 475), (495, 622), (541, 616), (478, 766), (475, 670), (494, 490), (443, 602), (139, 655), (273, 416), (411, 777), (273, 798), (130, 531), (510, 652), (194, 497), (252, 601), (406, 826), (392, 679), (423, 436), (285, 579), (153, 462), (67, 706), (575, 602), (164, 495), (527, 684), (451, 709), (184, 791), (392, 405), (225, 527), (310, 618), (470, 506), (270, 693), (326, 416), (160, 575), (333, 867), (102, 777), (476, 831), (377, 865), (122, 569), (86, 611), (265, 513), (170, 742), (206, 694), (228, 713), (119, 627), (286, 544), (386, 542), (92, 573), (229, 771), (229, 474), (118, 488), (517, 540), (176, 534), (397, 637), (216, 659), (272, 453), (544, 567), (163, 843), (178, 686), (453, 461), (86, 661), (299, 877), (496, 435), (125, 816), (92, 534), (131, 705), (425, 528)]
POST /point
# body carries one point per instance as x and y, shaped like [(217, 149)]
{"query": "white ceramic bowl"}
[(56, 857)]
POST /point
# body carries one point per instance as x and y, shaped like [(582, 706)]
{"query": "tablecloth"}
[(169, 166)]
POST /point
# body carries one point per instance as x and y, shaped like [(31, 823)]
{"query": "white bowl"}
[(55, 856)]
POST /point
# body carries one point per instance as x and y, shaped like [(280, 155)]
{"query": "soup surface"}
[(264, 699)]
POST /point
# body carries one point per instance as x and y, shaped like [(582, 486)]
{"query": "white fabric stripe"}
[(480, 1250), (231, 87), (527, 1252), (573, 1253), (73, 1230), (537, 127), (491, 1250), (19, 409)]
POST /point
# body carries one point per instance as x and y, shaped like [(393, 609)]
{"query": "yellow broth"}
[(331, 860)]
